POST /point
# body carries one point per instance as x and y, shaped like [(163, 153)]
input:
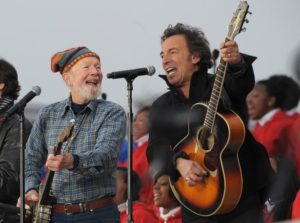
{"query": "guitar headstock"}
[(238, 19), (64, 136), (66, 133)]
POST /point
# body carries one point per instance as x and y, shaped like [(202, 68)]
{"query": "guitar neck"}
[(235, 27), (45, 196), (215, 95)]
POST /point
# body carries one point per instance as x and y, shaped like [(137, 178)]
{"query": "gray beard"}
[(87, 94)]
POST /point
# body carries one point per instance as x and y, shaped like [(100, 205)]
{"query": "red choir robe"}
[(296, 207), (173, 216), (274, 134), (294, 136), (141, 166), (141, 213)]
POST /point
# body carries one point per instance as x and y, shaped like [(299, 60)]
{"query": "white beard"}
[(88, 93)]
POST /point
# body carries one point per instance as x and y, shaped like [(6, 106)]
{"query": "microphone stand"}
[(129, 80), (22, 152)]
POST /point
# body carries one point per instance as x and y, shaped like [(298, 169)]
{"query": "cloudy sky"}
[(126, 34)]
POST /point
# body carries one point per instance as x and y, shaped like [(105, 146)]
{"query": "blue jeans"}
[(109, 214)]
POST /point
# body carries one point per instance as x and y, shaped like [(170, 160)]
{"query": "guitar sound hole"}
[(205, 139)]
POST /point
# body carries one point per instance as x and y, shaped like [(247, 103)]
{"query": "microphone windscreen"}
[(37, 90), (151, 70)]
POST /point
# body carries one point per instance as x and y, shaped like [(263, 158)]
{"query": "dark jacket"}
[(10, 158), (169, 118)]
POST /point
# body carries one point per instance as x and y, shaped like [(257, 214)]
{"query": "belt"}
[(82, 207)]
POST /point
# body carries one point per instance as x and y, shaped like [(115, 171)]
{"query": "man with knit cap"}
[(84, 180)]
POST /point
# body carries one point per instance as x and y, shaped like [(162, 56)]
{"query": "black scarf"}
[(5, 104)]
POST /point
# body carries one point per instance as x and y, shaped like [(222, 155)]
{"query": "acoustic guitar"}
[(214, 140)]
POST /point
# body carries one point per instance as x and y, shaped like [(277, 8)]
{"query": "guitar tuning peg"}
[(250, 13), (243, 29), (246, 21)]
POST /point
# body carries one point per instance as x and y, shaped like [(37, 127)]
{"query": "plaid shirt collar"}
[(92, 106)]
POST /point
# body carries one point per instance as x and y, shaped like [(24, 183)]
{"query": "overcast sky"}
[(126, 34)]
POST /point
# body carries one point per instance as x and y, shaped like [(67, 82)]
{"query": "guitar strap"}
[(226, 99)]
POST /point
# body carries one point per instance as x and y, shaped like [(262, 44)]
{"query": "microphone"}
[(149, 70), (215, 54), (36, 90), (104, 96)]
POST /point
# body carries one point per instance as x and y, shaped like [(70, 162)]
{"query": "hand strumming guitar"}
[(191, 171), (31, 197)]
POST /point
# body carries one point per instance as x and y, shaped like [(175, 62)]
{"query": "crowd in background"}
[(271, 105)]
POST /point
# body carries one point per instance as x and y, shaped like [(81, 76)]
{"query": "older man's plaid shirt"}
[(97, 145)]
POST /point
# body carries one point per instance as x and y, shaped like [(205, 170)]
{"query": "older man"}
[(84, 180)]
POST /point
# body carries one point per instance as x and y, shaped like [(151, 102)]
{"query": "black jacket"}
[(10, 158), (169, 118)]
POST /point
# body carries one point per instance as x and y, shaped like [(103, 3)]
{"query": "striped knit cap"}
[(65, 60)]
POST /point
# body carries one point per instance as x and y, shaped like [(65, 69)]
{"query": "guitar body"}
[(217, 152), (43, 209), (42, 214)]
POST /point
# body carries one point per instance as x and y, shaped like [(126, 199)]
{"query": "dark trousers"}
[(248, 211), (109, 214)]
